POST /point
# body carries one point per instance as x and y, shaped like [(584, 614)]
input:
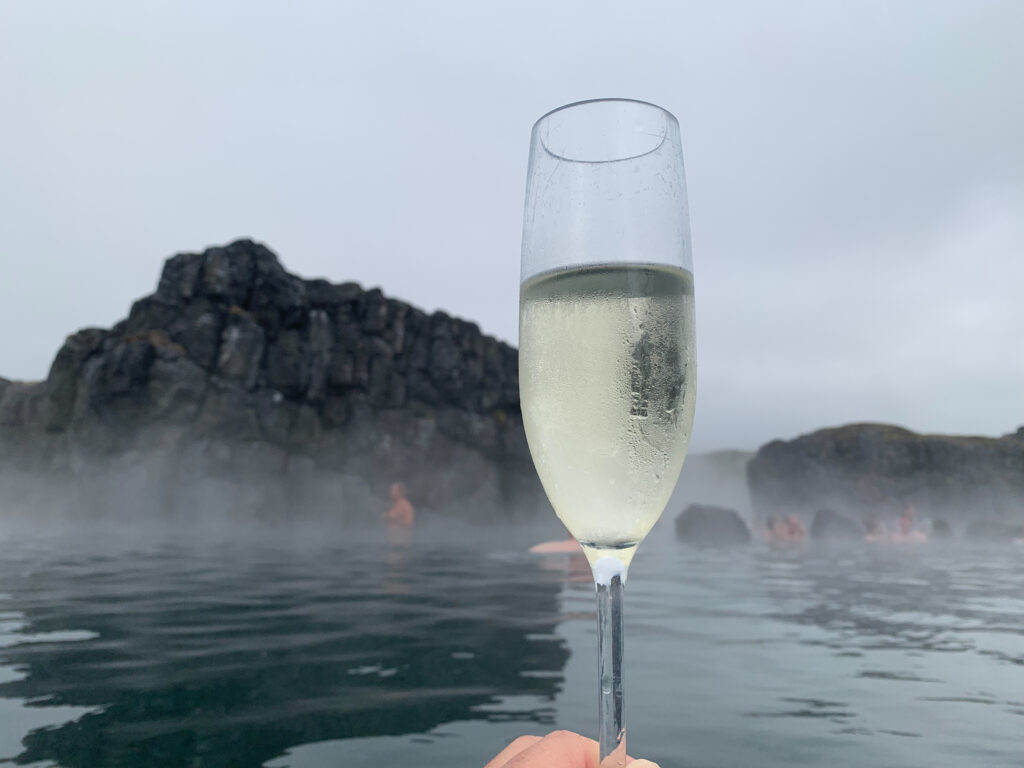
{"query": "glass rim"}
[(604, 100)]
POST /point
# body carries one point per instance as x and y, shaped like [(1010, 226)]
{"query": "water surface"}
[(184, 654)]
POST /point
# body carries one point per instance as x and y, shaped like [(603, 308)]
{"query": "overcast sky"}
[(855, 171)]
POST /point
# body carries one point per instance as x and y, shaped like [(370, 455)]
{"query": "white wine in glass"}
[(606, 342)]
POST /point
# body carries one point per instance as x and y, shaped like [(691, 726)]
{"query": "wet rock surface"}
[(863, 469), (711, 526), (239, 386)]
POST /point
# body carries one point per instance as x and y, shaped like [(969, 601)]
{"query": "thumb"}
[(643, 764)]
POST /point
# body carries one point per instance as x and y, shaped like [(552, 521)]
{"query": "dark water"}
[(252, 654)]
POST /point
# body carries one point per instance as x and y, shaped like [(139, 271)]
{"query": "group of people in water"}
[(789, 530), (778, 531), (783, 530), (907, 528)]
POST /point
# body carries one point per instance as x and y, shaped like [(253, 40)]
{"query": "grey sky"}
[(856, 175)]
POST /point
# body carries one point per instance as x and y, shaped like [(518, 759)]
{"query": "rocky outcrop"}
[(874, 468), (710, 526), (239, 386)]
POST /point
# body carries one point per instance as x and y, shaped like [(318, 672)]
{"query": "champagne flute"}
[(606, 343)]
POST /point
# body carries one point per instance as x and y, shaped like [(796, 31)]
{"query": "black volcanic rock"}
[(829, 525), (240, 386), (875, 468), (710, 526)]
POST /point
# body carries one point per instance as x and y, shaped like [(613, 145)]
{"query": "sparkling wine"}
[(607, 374)]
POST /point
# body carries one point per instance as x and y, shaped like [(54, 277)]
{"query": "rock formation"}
[(710, 526), (874, 468), (239, 386)]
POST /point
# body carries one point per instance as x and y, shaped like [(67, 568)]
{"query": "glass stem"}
[(609, 578)]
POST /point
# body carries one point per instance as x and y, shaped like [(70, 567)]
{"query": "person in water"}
[(401, 515), (763, 528), (905, 531), (776, 530), (795, 529), (561, 749), (876, 530), (568, 546), (785, 531)]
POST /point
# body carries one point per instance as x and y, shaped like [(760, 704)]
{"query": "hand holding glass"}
[(606, 342)]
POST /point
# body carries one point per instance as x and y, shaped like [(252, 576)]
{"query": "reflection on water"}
[(869, 656), (252, 655), (229, 655)]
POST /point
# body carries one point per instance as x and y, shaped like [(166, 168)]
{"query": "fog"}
[(136, 505)]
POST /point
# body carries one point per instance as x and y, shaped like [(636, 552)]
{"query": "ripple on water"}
[(263, 655)]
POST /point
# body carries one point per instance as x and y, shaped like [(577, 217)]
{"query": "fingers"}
[(513, 749), (561, 748)]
